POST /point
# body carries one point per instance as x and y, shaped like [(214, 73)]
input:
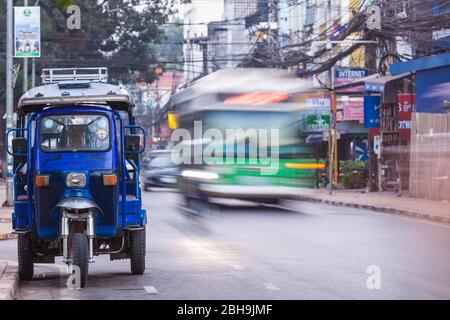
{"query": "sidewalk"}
[(5, 217), (9, 279), (386, 202)]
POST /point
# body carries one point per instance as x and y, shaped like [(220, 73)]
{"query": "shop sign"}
[(317, 115), (372, 106), (405, 107), (349, 75), (353, 111), (317, 122)]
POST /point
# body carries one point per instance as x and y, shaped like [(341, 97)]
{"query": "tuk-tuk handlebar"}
[(143, 133)]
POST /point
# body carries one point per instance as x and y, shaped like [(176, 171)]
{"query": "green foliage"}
[(65, 3), (355, 174)]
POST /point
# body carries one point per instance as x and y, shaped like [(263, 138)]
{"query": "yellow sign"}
[(172, 120)]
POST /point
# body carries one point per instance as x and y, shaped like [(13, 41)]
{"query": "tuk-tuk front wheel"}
[(80, 255), (25, 257), (137, 251)]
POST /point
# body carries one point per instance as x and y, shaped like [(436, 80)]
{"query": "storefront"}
[(429, 168), (386, 110)]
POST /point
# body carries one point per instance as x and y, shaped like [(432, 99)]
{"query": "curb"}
[(9, 280), (8, 236), (388, 210)]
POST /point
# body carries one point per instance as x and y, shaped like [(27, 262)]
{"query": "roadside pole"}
[(33, 62), (331, 133), (25, 63), (9, 97), (33, 72), (335, 137)]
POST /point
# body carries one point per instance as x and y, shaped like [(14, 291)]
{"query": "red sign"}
[(405, 107), (257, 98), (354, 111)]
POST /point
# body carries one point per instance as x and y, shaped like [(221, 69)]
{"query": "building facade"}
[(196, 16)]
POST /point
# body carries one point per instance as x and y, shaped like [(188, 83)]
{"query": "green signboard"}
[(317, 122), (316, 117)]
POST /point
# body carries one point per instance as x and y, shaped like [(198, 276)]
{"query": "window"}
[(70, 133)]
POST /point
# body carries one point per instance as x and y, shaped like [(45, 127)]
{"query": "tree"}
[(114, 33)]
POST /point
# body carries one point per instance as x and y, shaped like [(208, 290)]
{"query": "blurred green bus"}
[(243, 141)]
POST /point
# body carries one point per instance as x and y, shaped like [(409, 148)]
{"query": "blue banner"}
[(433, 88), (372, 106)]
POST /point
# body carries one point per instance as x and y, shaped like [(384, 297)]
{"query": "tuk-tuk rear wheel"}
[(137, 254), (80, 255), (25, 257)]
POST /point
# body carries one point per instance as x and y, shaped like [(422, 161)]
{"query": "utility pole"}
[(25, 63), (33, 63), (269, 20), (272, 37), (9, 97), (332, 136), (204, 46), (33, 72)]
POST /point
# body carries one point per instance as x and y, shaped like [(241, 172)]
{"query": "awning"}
[(421, 64), (373, 83), (378, 84)]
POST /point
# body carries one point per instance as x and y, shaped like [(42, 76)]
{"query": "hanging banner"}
[(27, 32), (372, 106)]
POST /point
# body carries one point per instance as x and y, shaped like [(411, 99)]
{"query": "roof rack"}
[(50, 76)]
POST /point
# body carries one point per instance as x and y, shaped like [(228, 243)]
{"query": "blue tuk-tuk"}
[(76, 173)]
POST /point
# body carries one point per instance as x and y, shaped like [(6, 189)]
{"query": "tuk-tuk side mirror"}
[(132, 143), (19, 148)]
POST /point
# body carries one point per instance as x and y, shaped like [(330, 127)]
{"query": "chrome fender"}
[(77, 203), (70, 208)]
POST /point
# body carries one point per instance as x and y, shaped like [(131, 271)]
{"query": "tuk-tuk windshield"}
[(76, 132)]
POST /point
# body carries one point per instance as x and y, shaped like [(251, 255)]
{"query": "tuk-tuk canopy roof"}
[(78, 92)]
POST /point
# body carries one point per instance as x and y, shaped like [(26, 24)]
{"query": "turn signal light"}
[(109, 180), (42, 181)]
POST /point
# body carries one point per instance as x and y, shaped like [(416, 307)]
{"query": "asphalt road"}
[(311, 251)]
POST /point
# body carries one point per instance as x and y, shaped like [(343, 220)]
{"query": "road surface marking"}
[(237, 266), (150, 290), (270, 286)]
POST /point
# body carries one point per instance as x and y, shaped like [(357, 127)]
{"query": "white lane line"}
[(150, 290), (237, 266), (270, 286)]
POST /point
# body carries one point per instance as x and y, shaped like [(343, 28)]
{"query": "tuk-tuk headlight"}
[(76, 179)]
